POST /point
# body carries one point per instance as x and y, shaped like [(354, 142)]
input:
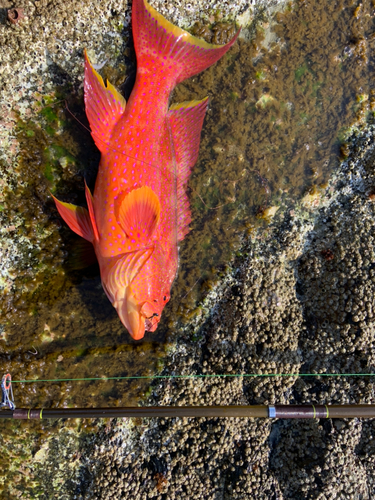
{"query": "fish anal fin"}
[(104, 105), (90, 204), (186, 120), (138, 213), (77, 218)]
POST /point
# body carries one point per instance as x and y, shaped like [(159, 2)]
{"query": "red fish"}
[(140, 212)]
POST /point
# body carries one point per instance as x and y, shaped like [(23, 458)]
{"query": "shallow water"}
[(275, 130)]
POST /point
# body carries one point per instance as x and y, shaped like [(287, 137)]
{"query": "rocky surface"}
[(301, 305), (299, 299)]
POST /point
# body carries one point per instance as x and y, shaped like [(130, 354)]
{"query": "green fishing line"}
[(224, 375)]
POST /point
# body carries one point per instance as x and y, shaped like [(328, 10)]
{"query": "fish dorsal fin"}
[(186, 120), (104, 105), (90, 204), (139, 215), (77, 218)]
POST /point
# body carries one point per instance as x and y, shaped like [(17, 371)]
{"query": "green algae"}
[(49, 114), (299, 72), (40, 172), (55, 449), (218, 33)]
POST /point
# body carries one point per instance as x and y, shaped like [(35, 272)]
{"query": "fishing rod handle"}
[(321, 411)]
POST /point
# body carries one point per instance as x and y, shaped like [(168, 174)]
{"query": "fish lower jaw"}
[(130, 317)]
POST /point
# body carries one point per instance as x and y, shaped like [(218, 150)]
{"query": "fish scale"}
[(140, 210)]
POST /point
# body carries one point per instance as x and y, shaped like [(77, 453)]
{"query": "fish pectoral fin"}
[(139, 214), (104, 106), (186, 120), (77, 218)]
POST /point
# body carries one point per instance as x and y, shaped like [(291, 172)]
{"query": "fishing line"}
[(311, 411), (198, 376)]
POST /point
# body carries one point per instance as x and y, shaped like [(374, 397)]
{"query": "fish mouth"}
[(151, 324), (151, 316)]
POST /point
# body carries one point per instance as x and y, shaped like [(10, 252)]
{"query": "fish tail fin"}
[(157, 40)]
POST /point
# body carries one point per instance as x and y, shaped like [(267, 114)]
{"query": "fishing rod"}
[(253, 411), (256, 411)]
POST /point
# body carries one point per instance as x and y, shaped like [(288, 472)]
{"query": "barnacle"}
[(15, 15)]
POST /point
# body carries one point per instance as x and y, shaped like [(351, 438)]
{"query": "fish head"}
[(138, 286), (153, 307), (151, 288), (139, 315)]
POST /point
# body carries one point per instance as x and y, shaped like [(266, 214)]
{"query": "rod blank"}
[(259, 411)]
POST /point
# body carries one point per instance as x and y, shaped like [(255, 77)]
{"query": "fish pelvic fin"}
[(81, 255), (180, 53), (186, 120), (90, 204), (104, 106), (77, 218), (138, 213)]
